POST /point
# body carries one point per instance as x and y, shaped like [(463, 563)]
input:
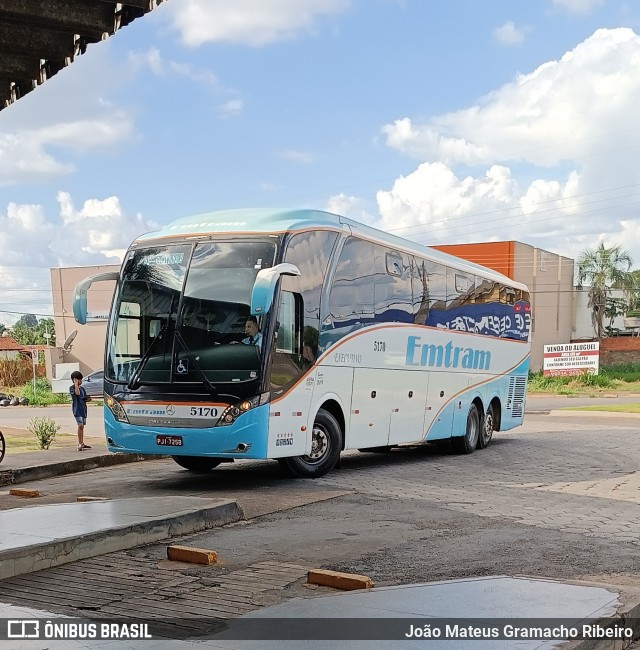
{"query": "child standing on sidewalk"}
[(79, 399)]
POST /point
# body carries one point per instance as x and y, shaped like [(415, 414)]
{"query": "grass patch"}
[(28, 442)]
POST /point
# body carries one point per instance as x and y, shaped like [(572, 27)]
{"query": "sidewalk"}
[(62, 458)]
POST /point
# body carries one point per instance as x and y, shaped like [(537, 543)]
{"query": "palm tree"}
[(601, 268)]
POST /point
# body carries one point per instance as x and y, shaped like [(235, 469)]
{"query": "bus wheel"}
[(486, 431), (467, 443), (197, 464), (326, 442)]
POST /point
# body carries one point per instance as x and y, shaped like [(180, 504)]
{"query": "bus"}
[(368, 341)]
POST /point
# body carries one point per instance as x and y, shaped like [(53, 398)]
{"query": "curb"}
[(45, 555), (39, 472), (597, 414)]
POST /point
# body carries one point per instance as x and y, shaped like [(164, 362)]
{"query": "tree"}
[(35, 334), (634, 294), (602, 269), (28, 320)]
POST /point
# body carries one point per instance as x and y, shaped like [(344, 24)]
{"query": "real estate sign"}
[(571, 359)]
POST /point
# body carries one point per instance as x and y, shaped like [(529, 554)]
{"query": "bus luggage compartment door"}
[(407, 404), (370, 409)]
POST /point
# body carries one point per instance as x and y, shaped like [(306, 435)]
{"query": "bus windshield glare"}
[(179, 310)]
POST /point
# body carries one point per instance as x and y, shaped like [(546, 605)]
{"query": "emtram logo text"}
[(447, 356)]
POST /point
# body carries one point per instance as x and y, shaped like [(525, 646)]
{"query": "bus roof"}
[(273, 220)]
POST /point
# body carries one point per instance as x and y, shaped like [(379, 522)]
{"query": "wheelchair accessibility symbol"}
[(182, 367)]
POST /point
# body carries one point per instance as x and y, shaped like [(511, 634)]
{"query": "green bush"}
[(45, 430), (598, 381), (627, 372), (43, 395)]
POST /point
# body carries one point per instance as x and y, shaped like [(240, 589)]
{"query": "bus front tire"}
[(487, 428), (467, 443), (326, 444), (197, 464)]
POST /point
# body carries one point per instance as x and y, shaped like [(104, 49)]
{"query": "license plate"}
[(169, 441)]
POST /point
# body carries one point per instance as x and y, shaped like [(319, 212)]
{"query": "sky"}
[(442, 122)]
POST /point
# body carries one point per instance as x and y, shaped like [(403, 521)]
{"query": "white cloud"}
[(231, 108), (68, 113), (350, 206), (99, 232), (294, 155), (159, 66), (578, 6), (248, 22), (153, 59), (564, 110), (23, 158), (549, 159), (509, 34), (91, 234), (87, 135)]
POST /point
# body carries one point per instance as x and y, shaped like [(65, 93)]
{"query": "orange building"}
[(498, 256)]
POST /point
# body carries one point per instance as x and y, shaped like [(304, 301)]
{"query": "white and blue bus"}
[(368, 341)]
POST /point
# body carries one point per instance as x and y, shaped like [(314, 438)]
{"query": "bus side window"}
[(351, 302), (429, 291), (393, 300), (460, 289)]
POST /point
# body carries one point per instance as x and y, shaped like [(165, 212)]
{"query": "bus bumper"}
[(245, 438)]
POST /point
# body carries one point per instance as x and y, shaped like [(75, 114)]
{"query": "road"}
[(557, 498)]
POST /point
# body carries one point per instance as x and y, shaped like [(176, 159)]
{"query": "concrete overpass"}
[(40, 37)]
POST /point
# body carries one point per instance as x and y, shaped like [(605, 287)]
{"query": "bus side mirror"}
[(265, 285), (80, 294)]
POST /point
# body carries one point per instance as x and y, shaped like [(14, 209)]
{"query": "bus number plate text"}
[(169, 441)]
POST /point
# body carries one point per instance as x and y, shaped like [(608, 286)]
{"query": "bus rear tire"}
[(487, 428), (197, 464), (325, 450), (467, 443)]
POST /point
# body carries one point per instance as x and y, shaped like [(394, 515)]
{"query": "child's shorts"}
[(81, 420)]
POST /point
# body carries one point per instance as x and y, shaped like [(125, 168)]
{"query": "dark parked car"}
[(94, 383)]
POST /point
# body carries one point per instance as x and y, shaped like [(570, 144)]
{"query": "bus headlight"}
[(231, 413), (116, 408)]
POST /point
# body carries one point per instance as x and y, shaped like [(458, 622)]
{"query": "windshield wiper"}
[(205, 380), (132, 384)]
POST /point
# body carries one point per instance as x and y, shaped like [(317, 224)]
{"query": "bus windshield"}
[(180, 309)]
